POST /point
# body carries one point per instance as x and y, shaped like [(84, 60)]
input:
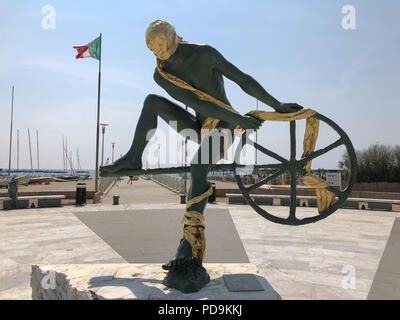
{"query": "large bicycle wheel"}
[(295, 167)]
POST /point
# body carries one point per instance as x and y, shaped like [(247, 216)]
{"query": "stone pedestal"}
[(142, 282)]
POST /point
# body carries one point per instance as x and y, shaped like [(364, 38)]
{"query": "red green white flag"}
[(91, 50)]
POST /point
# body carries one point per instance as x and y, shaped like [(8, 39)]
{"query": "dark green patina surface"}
[(203, 67)]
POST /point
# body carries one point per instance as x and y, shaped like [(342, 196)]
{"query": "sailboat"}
[(67, 159)]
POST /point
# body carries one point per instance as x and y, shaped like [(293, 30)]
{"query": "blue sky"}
[(297, 50)]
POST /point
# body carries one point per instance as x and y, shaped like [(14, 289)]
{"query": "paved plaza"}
[(350, 255)]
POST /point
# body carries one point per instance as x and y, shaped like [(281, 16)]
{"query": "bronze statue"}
[(192, 74)]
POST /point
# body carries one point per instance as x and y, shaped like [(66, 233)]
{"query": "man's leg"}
[(153, 107), (205, 156), (185, 270), (199, 186)]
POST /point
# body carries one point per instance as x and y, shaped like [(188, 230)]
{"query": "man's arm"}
[(249, 84), (207, 108)]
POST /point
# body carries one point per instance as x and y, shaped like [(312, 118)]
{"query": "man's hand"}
[(288, 108), (248, 122)]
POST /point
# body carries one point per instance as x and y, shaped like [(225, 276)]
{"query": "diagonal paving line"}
[(386, 284)]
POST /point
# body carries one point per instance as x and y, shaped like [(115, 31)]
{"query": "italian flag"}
[(91, 50)]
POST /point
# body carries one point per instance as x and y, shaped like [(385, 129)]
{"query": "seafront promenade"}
[(350, 255)]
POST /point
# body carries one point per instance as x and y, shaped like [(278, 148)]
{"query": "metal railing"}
[(175, 184), (105, 184)]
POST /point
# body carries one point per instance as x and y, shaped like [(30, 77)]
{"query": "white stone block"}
[(137, 282)]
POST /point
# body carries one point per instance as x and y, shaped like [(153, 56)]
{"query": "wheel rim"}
[(296, 167)]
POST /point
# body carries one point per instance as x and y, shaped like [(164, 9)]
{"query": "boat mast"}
[(18, 149), (69, 159), (66, 155), (11, 127), (37, 146), (78, 161), (72, 167), (30, 148), (63, 154)]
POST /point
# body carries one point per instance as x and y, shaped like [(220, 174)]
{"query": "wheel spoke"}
[(270, 153), (293, 173), (293, 195), (321, 152), (293, 140), (266, 180)]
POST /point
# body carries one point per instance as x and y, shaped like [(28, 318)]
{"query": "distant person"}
[(131, 179)]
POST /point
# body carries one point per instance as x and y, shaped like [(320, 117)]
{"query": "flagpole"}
[(98, 122), (11, 129)]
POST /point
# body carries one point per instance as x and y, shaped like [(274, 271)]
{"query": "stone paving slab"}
[(44, 236), (336, 258), (386, 283), (152, 236)]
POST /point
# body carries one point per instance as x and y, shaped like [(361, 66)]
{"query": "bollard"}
[(80, 193), (116, 200), (183, 198)]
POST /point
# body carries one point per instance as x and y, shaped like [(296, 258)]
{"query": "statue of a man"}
[(192, 74)]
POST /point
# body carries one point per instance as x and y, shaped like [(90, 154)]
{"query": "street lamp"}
[(113, 147), (103, 130)]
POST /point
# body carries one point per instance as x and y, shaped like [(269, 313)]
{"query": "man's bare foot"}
[(127, 162), (190, 277), (185, 273), (183, 255)]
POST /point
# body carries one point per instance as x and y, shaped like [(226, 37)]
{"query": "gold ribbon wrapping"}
[(210, 123), (194, 227), (325, 198)]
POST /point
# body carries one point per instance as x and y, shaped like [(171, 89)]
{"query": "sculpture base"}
[(187, 280), (137, 282)]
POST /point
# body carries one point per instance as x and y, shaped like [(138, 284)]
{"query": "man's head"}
[(162, 39)]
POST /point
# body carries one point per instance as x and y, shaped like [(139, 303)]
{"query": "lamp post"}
[(103, 131), (113, 147)]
